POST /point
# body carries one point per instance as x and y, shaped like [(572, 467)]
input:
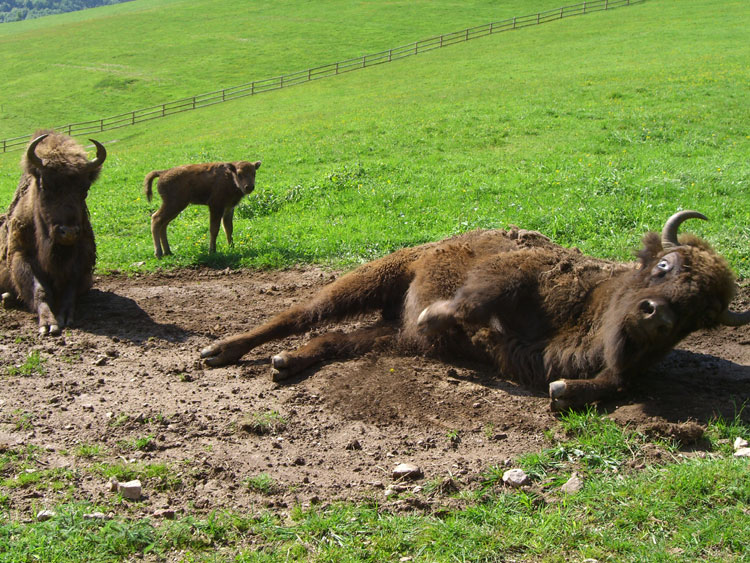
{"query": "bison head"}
[(63, 175), (678, 286), (245, 177)]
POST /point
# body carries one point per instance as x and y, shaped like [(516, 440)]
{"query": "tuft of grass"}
[(267, 422), (88, 451), (262, 483), (34, 364)]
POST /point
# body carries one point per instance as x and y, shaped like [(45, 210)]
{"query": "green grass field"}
[(593, 130)]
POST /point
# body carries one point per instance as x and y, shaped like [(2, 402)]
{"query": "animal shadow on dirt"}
[(689, 386), (98, 308)]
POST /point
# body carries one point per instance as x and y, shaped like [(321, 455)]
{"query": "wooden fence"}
[(324, 71)]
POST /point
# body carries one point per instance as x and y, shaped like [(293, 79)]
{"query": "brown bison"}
[(546, 316), (47, 249), (220, 185)]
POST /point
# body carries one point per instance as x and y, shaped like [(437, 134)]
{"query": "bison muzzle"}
[(546, 316), (47, 248)]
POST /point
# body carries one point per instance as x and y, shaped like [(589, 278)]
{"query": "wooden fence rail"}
[(332, 69)]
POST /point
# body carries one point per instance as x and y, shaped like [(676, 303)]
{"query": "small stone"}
[(572, 485), (516, 478), (742, 452), (739, 443), (96, 516), (44, 515), (353, 445), (407, 471), (87, 407), (166, 513), (130, 490)]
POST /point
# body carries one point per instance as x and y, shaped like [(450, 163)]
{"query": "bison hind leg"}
[(330, 346)]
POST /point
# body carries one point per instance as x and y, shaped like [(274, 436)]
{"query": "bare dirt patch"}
[(124, 388)]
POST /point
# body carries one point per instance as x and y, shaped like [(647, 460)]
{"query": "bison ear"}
[(651, 248), (256, 164)]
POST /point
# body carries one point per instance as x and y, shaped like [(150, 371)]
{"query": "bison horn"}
[(732, 318), (669, 232), (101, 155), (31, 155)]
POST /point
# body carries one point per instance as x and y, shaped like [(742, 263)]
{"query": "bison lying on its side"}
[(47, 250), (545, 315), (220, 185)]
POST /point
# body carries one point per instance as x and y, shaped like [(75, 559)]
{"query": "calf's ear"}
[(256, 164)]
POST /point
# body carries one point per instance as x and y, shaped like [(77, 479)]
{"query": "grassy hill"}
[(593, 129)]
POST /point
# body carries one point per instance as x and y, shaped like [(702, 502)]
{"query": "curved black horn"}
[(669, 232), (31, 154), (732, 318), (101, 155)]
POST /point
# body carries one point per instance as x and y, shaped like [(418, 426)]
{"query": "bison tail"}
[(147, 182)]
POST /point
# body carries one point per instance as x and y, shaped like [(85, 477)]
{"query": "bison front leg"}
[(48, 323), (35, 294), (573, 393)]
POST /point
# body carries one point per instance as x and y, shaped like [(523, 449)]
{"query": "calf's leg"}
[(228, 221), (216, 214), (159, 221)]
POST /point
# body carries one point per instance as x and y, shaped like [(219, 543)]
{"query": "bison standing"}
[(47, 249), (546, 316), (219, 185)]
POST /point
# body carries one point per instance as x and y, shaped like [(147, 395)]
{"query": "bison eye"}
[(669, 263)]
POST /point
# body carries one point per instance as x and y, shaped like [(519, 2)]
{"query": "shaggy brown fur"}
[(47, 249), (543, 314), (219, 185)]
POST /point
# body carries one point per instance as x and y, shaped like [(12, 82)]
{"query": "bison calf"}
[(544, 315), (47, 249), (219, 185)]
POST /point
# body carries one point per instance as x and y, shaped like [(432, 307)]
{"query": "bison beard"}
[(47, 249), (546, 316)]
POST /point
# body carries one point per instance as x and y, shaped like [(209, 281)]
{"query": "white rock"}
[(572, 485), (96, 516), (739, 443), (742, 452), (516, 478), (407, 471), (44, 515), (130, 490)]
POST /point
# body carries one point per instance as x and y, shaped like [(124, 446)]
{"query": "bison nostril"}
[(647, 307)]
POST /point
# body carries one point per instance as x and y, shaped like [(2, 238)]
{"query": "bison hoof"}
[(6, 299), (52, 330), (557, 389), (435, 318), (213, 357), (279, 367)]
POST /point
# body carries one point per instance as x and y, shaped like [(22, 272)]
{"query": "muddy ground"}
[(124, 388)]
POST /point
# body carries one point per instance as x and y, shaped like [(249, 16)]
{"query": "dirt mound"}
[(124, 388)]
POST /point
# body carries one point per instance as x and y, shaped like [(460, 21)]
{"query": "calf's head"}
[(245, 175), (62, 175), (679, 286)]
